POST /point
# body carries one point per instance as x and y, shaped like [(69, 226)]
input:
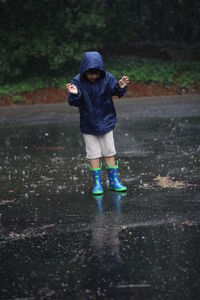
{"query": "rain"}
[(57, 238)]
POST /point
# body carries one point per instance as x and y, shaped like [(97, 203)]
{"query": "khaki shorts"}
[(99, 145)]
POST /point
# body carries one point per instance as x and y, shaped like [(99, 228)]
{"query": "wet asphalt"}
[(57, 241)]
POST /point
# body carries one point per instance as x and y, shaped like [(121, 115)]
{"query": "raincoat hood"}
[(94, 99), (92, 60)]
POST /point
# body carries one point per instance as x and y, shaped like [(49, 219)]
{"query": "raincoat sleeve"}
[(116, 90), (75, 100)]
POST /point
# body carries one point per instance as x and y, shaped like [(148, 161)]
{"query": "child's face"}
[(92, 75)]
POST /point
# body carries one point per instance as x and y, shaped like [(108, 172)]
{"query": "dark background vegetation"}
[(49, 36)]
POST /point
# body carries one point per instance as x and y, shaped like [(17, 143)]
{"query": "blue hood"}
[(92, 60), (96, 107)]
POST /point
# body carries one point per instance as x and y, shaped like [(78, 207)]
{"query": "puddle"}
[(58, 241)]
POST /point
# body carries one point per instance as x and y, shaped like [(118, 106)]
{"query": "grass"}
[(17, 99), (32, 84), (183, 74), (179, 73)]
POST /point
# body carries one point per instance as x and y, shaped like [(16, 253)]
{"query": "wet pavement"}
[(59, 242)]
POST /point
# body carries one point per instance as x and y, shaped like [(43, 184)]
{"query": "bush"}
[(139, 70), (50, 36), (149, 70)]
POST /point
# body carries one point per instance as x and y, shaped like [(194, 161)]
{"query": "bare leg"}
[(110, 160), (94, 163)]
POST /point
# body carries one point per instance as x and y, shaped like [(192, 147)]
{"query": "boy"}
[(92, 90)]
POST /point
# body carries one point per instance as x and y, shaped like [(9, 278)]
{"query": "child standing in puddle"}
[(92, 90)]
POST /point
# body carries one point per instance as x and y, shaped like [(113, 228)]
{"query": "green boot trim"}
[(98, 197), (122, 189), (112, 167), (97, 192), (95, 169)]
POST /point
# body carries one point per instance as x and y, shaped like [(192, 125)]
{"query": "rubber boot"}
[(96, 173), (114, 183)]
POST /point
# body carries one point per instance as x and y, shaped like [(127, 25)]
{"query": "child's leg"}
[(93, 153), (108, 151), (108, 147), (94, 163), (93, 149), (110, 160)]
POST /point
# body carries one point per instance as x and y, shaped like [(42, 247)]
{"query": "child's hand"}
[(123, 82), (71, 88)]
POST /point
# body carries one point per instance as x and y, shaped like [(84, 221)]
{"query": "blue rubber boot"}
[(114, 183), (96, 173)]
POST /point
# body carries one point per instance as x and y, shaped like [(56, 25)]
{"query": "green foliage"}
[(139, 70), (17, 99), (33, 84), (149, 70), (189, 78), (50, 36)]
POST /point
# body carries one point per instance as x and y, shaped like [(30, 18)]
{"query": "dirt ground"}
[(57, 95)]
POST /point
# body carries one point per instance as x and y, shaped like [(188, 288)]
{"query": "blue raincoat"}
[(97, 112)]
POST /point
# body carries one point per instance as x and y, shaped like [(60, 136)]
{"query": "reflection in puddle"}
[(57, 240), (106, 228)]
